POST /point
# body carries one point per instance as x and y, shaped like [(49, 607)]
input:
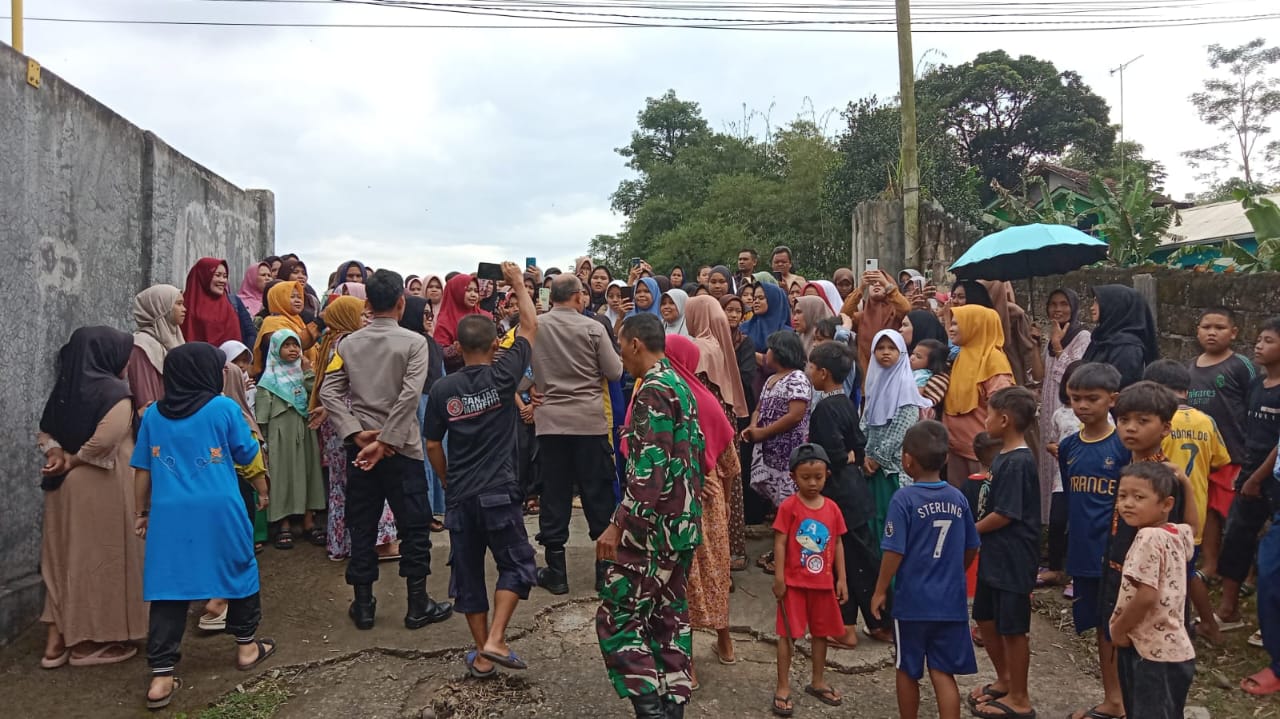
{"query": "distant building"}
[(1207, 227)]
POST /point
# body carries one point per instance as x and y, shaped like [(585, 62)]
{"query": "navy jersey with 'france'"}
[(1090, 477), (930, 525)]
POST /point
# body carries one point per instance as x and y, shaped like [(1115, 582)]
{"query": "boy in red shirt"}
[(810, 583)]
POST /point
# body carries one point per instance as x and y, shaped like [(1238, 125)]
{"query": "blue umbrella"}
[(1026, 251)]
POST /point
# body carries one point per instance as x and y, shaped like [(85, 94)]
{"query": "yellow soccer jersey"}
[(1196, 446)]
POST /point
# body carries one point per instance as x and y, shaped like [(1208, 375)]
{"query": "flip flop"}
[(58, 661), (727, 662), (826, 696), (162, 702), (476, 673), (211, 623), (987, 691), (1005, 711), (511, 661), (266, 647), (98, 657), (976, 637), (1262, 684), (1225, 626), (1255, 639), (782, 711), (1093, 713)]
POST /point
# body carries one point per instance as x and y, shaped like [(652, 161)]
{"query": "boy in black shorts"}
[(1007, 565)]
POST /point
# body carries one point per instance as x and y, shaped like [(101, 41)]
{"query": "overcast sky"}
[(427, 150)]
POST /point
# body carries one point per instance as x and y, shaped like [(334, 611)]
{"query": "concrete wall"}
[(92, 210), (1180, 297)]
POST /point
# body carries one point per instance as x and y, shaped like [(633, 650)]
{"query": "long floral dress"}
[(708, 589), (334, 456), (770, 474)]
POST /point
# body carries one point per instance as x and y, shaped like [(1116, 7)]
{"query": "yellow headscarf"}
[(343, 316), (981, 356), (282, 316)]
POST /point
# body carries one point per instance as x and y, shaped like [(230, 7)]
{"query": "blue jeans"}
[(435, 491), (1269, 592)]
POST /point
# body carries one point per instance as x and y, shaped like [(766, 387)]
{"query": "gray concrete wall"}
[(92, 210)]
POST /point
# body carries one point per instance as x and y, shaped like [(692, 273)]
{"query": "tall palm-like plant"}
[(1128, 220)]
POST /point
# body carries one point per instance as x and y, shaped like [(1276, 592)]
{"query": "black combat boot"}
[(648, 706), (554, 577), (674, 711), (424, 610), (363, 607)]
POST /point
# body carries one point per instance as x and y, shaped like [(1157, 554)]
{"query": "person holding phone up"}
[(884, 309)]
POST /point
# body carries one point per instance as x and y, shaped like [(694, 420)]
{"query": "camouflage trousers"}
[(643, 624)]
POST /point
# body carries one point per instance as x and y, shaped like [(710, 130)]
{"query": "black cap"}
[(808, 453)]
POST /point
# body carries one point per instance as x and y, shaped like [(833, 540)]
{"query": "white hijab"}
[(680, 298), (153, 313), (608, 311), (890, 389)]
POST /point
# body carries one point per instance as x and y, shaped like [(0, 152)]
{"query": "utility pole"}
[(910, 164), (15, 20), (1121, 70)]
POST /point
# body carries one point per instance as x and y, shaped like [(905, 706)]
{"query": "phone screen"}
[(489, 271), (627, 292), (530, 262), (544, 296)]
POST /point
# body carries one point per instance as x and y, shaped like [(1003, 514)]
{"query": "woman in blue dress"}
[(189, 509)]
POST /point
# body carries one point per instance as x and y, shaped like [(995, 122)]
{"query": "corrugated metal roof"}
[(1208, 223)]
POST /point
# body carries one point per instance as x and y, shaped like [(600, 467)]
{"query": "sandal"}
[(162, 702), (284, 539), (727, 662), (976, 636), (55, 662), (316, 536), (511, 661), (986, 691), (1006, 712), (476, 673), (1225, 625), (782, 706), (738, 564), (765, 563), (532, 507), (1255, 639), (1095, 713), (436, 525), (266, 647), (1264, 683), (827, 696), (214, 623), (100, 657)]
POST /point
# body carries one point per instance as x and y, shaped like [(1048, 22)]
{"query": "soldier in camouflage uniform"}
[(643, 621)]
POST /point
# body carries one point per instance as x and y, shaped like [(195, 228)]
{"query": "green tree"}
[(1128, 220), (1126, 158), (1239, 105), (1226, 191), (1006, 113)]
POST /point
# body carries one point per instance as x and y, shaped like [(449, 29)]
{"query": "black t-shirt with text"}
[(1220, 391), (1262, 425), (476, 407), (1010, 555), (834, 426)]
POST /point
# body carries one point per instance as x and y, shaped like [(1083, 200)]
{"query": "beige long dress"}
[(90, 558), (708, 591)]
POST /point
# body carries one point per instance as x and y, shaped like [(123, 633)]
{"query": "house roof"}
[(1212, 223)]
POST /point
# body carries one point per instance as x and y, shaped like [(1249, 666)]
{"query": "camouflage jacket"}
[(660, 512)]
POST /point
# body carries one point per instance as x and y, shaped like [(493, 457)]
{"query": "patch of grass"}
[(259, 701)]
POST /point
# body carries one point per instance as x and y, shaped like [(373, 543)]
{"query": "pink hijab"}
[(249, 293)]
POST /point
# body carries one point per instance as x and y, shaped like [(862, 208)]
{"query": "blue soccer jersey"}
[(930, 525), (1090, 477)]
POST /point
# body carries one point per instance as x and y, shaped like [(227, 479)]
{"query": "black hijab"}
[(87, 384), (1123, 319), (925, 326), (664, 284), (974, 293), (192, 377), (1073, 324), (414, 307)]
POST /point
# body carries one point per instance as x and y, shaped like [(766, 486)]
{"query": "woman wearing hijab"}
[(981, 369), (827, 292), (614, 311), (671, 309), (89, 560), (1125, 336), (720, 282), (582, 267), (906, 278), (766, 277), (412, 286), (893, 406), (419, 318), (646, 298), (352, 271), (461, 298), (845, 282), (346, 289), (677, 276), (158, 312), (970, 292), (433, 291), (718, 370), (808, 312), (1021, 338), (210, 315), (253, 285), (876, 305), (239, 386), (342, 317), (771, 311), (285, 302), (199, 540), (601, 278), (920, 325), (709, 581), (294, 270)]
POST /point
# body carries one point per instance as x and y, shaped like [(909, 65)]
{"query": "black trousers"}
[(168, 622), (1240, 538), (862, 565), (527, 460), (1057, 531), (1153, 690), (401, 483), (565, 461)]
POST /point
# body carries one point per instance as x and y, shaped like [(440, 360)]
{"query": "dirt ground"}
[(325, 667)]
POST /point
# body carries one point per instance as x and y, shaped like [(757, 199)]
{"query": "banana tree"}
[(1128, 220), (1264, 215)]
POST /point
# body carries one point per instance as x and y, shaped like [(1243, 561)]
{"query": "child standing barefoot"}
[(200, 543), (810, 584)]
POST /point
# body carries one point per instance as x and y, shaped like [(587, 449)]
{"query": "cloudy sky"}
[(429, 149)]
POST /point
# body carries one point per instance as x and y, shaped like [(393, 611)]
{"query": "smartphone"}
[(489, 271), (628, 293), (873, 265), (919, 283), (544, 296), (778, 276), (635, 261), (530, 262)]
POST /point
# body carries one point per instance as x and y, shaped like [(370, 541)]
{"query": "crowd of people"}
[(888, 435)]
